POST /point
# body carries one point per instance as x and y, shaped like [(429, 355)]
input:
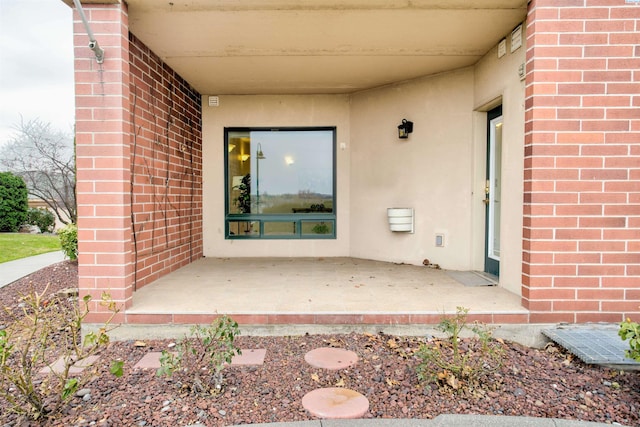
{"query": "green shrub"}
[(42, 218), (631, 331), (13, 202), (69, 241), (31, 344), (456, 363), (200, 359)]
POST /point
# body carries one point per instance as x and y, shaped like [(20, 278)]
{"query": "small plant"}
[(321, 228), (48, 326), (42, 218), (69, 241), (200, 359), (631, 331), (243, 201), (457, 363)]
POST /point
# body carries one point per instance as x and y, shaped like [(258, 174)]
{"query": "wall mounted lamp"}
[(244, 157), (404, 129)]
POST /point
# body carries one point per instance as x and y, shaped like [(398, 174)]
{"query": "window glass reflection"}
[(280, 172)]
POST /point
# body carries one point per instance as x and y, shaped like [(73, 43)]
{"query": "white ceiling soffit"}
[(318, 46)]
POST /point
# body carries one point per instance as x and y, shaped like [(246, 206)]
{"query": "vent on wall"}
[(214, 101)]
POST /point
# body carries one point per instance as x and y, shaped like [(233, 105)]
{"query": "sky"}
[(36, 65)]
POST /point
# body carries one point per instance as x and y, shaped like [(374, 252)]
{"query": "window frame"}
[(297, 219)]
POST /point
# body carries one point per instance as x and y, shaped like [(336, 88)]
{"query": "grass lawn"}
[(21, 245)]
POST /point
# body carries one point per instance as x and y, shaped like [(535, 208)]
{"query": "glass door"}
[(492, 191)]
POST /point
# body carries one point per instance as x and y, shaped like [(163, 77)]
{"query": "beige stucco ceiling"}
[(318, 46)]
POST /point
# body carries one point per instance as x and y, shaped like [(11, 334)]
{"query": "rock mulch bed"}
[(533, 382)]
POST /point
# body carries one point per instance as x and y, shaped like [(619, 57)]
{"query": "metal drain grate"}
[(599, 346)]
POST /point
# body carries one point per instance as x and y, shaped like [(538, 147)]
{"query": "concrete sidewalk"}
[(11, 271), (442, 421)]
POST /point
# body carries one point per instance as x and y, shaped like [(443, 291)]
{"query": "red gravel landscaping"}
[(532, 382)]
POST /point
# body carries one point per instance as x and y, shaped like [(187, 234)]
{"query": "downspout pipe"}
[(93, 43)]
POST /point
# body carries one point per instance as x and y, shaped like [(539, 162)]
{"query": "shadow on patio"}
[(266, 291)]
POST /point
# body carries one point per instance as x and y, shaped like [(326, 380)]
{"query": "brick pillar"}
[(103, 169), (582, 161)]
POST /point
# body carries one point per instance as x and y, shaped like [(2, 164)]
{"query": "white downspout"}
[(93, 43)]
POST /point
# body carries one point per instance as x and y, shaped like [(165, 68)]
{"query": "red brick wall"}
[(582, 161), (166, 167), (139, 163), (102, 158)]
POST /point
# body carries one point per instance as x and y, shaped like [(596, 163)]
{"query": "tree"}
[(45, 159), (41, 218), (13, 202)]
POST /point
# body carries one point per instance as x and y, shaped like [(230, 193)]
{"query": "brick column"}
[(103, 169), (581, 236)]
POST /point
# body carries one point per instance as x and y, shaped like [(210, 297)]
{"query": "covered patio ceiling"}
[(317, 46)]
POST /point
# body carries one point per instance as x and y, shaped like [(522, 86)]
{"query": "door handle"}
[(487, 188)]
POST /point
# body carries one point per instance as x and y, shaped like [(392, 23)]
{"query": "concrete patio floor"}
[(263, 291)]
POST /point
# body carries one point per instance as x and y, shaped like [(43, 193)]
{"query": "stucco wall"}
[(439, 170), (498, 80), (431, 171), (276, 111)]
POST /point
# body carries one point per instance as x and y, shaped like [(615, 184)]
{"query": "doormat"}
[(473, 278), (597, 345)]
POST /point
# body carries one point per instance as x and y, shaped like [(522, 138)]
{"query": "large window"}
[(280, 183)]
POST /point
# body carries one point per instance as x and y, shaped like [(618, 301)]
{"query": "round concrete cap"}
[(331, 358), (334, 403)]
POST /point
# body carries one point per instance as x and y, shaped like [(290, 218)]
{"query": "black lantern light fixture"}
[(405, 129)]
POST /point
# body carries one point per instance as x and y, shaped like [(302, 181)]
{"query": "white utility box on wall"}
[(400, 219)]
